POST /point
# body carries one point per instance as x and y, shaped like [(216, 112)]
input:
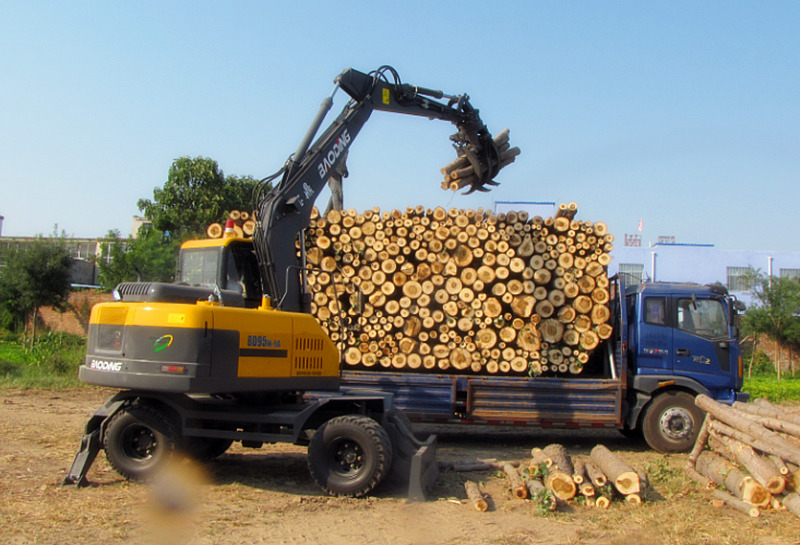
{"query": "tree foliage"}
[(150, 257), (195, 194), (35, 275), (776, 311)]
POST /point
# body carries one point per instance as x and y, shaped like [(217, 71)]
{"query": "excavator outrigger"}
[(229, 352)]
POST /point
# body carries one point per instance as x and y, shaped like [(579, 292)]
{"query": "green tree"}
[(36, 274), (775, 313), (196, 194), (150, 257)]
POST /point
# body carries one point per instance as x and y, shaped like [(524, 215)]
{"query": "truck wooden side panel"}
[(542, 402)]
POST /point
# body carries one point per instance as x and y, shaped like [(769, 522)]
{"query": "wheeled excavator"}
[(230, 351)]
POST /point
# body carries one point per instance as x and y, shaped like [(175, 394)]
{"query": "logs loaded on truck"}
[(462, 291), (472, 317)]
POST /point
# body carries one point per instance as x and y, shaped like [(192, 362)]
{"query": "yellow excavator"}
[(229, 352)]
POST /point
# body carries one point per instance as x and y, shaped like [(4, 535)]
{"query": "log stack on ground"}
[(461, 291), (750, 452), (550, 478), (569, 477)]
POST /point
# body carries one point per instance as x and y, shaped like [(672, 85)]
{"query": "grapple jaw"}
[(480, 158)]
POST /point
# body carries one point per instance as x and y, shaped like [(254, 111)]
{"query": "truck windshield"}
[(198, 267), (702, 317)]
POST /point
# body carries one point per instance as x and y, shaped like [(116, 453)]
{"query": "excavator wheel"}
[(349, 455), (138, 442)]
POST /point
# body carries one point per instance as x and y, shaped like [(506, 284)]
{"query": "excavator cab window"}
[(243, 273), (230, 268), (199, 267)]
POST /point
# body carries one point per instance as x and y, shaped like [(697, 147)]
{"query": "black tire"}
[(138, 442), (204, 449), (632, 434), (349, 455), (672, 422)]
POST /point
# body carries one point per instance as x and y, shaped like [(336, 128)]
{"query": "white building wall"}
[(703, 264)]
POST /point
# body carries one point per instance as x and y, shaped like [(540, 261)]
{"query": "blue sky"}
[(682, 114)]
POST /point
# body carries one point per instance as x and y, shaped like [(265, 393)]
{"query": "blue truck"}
[(671, 342)]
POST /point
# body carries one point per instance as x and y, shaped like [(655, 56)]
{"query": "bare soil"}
[(266, 496)]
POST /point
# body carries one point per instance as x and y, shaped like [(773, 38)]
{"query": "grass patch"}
[(768, 386), (52, 362)]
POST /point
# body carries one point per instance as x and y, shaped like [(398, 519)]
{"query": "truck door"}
[(702, 345), (654, 343)]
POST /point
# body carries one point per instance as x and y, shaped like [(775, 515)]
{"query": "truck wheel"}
[(138, 442), (349, 455), (672, 422)]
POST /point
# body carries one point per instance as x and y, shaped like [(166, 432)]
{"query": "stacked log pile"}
[(244, 225), (552, 477), (462, 291), (749, 455)]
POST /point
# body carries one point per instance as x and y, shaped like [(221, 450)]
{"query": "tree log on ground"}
[(518, 488), (736, 503), (624, 478), (752, 433), (475, 496), (764, 471), (725, 474)]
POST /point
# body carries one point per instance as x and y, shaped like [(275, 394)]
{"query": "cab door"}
[(702, 344), (653, 347)]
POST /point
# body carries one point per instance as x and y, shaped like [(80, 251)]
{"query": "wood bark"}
[(763, 407), (623, 477), (761, 469), (578, 471), (538, 457), (561, 458), (792, 503), (598, 478), (724, 473), (475, 496), (518, 488), (736, 503), (777, 444)]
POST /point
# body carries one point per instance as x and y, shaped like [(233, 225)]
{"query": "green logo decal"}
[(162, 343)]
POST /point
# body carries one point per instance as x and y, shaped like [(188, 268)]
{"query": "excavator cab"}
[(229, 264)]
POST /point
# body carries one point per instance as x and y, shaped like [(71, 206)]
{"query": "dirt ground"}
[(266, 496)]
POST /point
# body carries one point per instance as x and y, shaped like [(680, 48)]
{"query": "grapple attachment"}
[(480, 158)]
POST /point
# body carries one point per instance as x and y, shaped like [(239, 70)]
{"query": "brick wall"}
[(75, 319)]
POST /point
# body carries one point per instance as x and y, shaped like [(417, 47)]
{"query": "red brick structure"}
[(76, 318)]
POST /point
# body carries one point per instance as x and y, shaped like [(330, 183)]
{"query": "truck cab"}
[(682, 341)]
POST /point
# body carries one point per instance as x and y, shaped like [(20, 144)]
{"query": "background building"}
[(701, 263)]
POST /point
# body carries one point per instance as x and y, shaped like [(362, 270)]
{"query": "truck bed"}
[(541, 402)]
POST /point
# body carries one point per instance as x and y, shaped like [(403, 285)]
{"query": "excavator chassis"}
[(139, 430)]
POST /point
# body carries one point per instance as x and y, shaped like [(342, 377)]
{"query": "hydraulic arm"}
[(286, 210)]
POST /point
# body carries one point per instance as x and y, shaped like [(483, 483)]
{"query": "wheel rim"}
[(347, 457), (676, 423), (139, 443)]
